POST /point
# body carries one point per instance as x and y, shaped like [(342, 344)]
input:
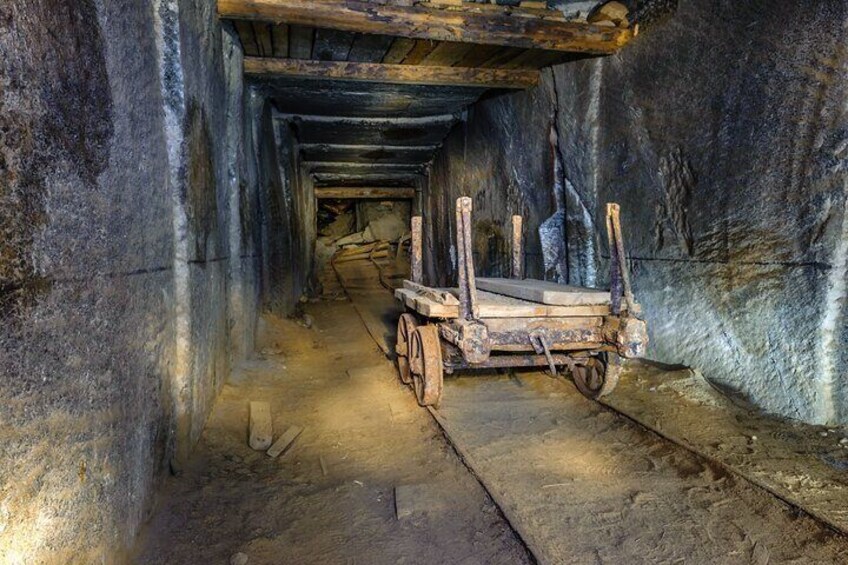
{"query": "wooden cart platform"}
[(518, 322)]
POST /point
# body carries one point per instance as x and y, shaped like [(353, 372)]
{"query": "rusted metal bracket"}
[(470, 337)]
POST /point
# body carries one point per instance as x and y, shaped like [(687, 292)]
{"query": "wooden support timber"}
[(358, 192), (417, 250), (464, 25), (392, 74)]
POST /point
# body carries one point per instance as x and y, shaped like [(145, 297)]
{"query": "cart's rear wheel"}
[(406, 327), (597, 376), (425, 360)]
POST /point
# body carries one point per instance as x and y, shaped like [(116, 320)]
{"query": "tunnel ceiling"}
[(371, 89)]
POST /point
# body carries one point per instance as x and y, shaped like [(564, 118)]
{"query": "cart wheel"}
[(425, 359), (406, 326), (597, 377)]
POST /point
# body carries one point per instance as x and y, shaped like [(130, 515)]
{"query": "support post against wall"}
[(468, 307), (417, 249), (517, 247)]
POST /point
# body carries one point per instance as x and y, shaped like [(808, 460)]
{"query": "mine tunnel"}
[(423, 281)]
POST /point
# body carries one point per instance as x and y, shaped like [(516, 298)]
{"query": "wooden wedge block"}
[(261, 427), (284, 442)]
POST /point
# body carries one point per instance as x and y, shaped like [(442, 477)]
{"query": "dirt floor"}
[(363, 429), (578, 482), (583, 484)]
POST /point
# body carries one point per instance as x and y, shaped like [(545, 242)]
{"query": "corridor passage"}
[(554, 461)]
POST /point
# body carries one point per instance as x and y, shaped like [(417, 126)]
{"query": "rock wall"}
[(130, 260), (725, 144), (287, 212)]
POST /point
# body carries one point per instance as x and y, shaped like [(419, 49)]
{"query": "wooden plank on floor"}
[(285, 441), (419, 22), (261, 429), (394, 74)]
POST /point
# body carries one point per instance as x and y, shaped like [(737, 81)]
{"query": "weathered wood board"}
[(545, 292), (282, 444), (495, 306)]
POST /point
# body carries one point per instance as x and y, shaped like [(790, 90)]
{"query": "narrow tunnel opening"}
[(426, 281)]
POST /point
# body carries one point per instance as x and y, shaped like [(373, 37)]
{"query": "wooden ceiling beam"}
[(361, 192), (261, 67), (419, 22)]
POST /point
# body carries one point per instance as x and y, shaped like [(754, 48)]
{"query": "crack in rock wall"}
[(725, 145)]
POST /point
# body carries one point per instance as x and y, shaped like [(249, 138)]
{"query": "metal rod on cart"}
[(416, 244), (468, 308), (505, 361), (517, 247)]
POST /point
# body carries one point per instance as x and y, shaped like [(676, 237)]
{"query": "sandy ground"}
[(582, 484), (371, 436), (803, 464)]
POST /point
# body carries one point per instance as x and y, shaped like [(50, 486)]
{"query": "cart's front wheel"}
[(596, 376), (406, 327), (425, 360)]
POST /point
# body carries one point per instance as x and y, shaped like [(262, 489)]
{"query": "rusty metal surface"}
[(632, 338), (513, 360), (425, 360), (406, 326)]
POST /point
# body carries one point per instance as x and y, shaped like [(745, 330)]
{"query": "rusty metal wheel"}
[(596, 377), (425, 360), (406, 326)]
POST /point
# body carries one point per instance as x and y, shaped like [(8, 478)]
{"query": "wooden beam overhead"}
[(419, 22), (262, 67), (359, 192)]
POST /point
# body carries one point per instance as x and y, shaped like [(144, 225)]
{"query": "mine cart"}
[(516, 322)]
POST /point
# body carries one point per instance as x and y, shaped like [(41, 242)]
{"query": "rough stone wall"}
[(725, 144), (501, 158), (118, 260), (283, 278)]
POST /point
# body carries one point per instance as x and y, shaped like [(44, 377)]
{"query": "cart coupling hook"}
[(537, 340)]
